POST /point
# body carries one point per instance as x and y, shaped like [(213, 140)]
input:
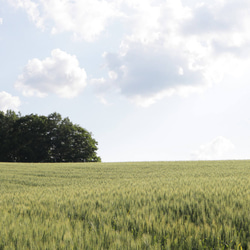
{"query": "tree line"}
[(34, 138)]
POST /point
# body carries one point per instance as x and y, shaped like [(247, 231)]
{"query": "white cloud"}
[(210, 22), (151, 20), (32, 9), (86, 19), (176, 48), (222, 24), (7, 101), (1, 20), (153, 61), (59, 74), (145, 73), (218, 149), (169, 47)]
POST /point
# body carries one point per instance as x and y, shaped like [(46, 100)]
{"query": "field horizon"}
[(125, 205)]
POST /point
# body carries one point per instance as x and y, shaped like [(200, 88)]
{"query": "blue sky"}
[(153, 80)]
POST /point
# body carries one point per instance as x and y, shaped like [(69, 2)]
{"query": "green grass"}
[(147, 205)]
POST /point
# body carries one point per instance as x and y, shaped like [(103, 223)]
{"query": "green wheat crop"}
[(147, 205)]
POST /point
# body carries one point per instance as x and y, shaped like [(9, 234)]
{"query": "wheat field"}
[(134, 205)]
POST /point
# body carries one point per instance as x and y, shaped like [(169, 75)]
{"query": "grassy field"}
[(147, 205)]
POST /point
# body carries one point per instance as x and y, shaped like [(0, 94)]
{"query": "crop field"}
[(146, 205)]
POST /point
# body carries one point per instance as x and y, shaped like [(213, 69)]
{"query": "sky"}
[(153, 80)]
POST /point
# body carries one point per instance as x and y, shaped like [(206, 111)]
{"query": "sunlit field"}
[(147, 205)]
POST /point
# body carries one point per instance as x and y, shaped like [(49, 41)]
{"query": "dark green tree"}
[(30, 139), (7, 121), (34, 138)]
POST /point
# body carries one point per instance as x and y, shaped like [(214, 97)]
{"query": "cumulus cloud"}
[(86, 19), (154, 61), (7, 101), (178, 48), (32, 9), (218, 149), (222, 24), (151, 71), (1, 20), (168, 47), (59, 74)]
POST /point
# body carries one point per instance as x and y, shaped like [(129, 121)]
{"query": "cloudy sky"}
[(153, 80)]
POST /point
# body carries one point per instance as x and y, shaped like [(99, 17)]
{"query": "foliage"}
[(157, 205), (34, 138)]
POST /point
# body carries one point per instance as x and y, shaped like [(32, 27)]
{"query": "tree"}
[(30, 139), (34, 138), (7, 122)]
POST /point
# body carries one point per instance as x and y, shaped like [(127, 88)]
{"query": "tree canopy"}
[(34, 138)]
